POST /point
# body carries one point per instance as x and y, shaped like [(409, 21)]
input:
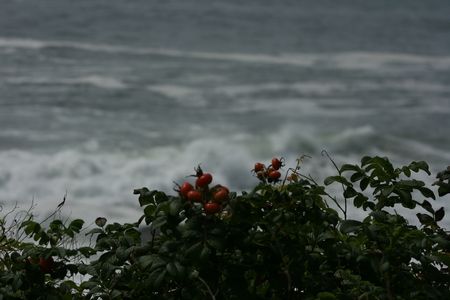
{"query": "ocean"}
[(100, 97)]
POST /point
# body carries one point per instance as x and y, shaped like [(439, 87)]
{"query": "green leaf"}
[(16, 257), (31, 227), (326, 296), (204, 255), (87, 269), (76, 225), (160, 221), (16, 284), (96, 231), (145, 261), (60, 251), (176, 270), (156, 278), (106, 271), (421, 165), (350, 192), (386, 191), (146, 196), (426, 192), (216, 242), (406, 171), (348, 226), (364, 183), (357, 176), (340, 179), (160, 197), (149, 210), (365, 160), (88, 285), (348, 167), (86, 251), (359, 200), (175, 207)]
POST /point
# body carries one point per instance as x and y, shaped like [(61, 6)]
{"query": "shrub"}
[(282, 240)]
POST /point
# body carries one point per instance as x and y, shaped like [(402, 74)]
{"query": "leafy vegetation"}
[(282, 240)]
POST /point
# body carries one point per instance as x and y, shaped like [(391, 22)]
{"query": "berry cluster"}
[(271, 173), (211, 198)]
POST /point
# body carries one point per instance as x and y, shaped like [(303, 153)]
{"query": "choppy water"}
[(100, 97)]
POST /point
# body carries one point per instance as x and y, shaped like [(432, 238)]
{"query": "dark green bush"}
[(282, 240)]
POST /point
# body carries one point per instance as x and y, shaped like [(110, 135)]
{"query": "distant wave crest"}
[(345, 60)]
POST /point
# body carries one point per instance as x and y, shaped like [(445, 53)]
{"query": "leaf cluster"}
[(278, 241)]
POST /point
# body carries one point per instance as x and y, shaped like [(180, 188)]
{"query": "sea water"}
[(100, 97)]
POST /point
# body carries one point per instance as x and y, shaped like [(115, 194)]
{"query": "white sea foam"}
[(100, 183), (95, 80), (346, 60)]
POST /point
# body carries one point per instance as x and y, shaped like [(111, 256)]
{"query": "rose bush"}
[(282, 240)]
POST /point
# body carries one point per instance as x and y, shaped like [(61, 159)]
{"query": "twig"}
[(207, 286), (343, 188)]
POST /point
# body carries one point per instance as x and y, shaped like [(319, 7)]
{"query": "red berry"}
[(274, 175), (220, 196), (259, 167), (46, 264), (195, 196), (204, 180), (186, 188), (276, 163), (212, 208)]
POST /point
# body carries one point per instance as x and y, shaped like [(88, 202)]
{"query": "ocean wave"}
[(99, 181), (345, 60), (94, 80)]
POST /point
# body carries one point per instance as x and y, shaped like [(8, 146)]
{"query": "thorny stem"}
[(340, 174), (58, 208), (207, 286)]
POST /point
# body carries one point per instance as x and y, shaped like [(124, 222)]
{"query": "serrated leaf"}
[(87, 269), (106, 271), (158, 222), (60, 252), (176, 270), (156, 278), (122, 253), (126, 241), (216, 242), (145, 261), (86, 251), (16, 284)]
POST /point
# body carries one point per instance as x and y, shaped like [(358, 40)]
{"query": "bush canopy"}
[(288, 238)]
